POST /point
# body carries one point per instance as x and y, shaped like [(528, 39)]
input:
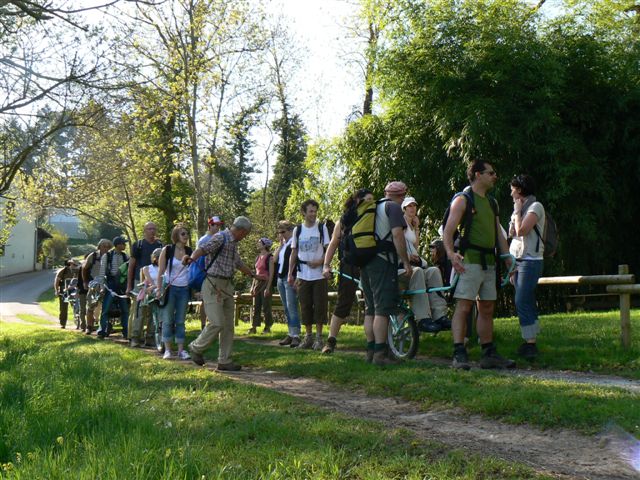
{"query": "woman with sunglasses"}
[(173, 275), (526, 229)]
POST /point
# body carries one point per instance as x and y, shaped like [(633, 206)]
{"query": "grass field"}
[(73, 407)]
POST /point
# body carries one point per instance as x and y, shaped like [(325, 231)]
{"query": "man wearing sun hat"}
[(379, 277)]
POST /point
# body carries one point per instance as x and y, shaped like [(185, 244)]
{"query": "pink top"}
[(262, 265)]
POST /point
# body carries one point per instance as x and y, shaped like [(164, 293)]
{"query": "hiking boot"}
[(197, 358), (491, 359), (266, 330), (330, 346), (228, 367), (318, 344), (134, 344), (369, 356), (87, 331), (528, 351), (285, 341), (295, 342), (307, 343), (444, 323), (381, 358), (461, 360), (252, 331), (429, 326)]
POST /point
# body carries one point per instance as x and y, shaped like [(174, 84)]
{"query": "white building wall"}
[(19, 252)]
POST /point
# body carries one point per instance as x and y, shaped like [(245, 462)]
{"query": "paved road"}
[(19, 294)]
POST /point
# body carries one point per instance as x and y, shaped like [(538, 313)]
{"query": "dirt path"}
[(592, 379)]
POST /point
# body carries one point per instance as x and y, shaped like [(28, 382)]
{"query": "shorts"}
[(379, 280), (476, 283), (347, 290)]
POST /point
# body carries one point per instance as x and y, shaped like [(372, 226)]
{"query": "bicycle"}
[(403, 335)]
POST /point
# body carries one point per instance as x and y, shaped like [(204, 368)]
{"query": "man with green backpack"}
[(113, 273), (472, 222)]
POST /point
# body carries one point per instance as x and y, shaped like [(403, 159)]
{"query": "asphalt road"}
[(19, 294)]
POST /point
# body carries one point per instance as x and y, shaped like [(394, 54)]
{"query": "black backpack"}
[(549, 236), (461, 241)]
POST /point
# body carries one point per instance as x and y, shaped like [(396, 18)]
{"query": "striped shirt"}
[(118, 259), (228, 259)]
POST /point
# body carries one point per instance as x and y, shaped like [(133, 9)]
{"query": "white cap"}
[(408, 201)]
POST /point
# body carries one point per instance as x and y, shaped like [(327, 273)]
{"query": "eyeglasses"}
[(493, 173), (184, 234), (281, 231)]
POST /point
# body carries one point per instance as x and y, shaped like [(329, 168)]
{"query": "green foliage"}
[(557, 98), (56, 247)]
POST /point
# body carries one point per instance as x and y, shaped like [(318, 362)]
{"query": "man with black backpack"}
[(474, 215), (116, 286), (309, 241)]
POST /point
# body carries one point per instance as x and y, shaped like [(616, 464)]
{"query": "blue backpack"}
[(198, 269)]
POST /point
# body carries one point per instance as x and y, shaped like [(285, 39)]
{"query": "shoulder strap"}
[(215, 255), (298, 231)]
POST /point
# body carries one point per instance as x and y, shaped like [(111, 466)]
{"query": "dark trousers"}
[(313, 301), (64, 311)]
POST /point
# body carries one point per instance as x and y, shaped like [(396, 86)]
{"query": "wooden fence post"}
[(625, 312)]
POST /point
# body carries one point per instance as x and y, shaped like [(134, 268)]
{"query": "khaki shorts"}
[(476, 283)]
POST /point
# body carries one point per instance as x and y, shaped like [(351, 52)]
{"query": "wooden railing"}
[(621, 284)]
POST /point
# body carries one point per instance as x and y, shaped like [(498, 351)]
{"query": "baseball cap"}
[(408, 201), (119, 240), (215, 220), (266, 242)]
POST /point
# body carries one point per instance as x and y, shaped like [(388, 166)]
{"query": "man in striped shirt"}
[(110, 276), (217, 292)]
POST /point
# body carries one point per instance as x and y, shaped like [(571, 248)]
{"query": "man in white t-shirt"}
[(308, 244)]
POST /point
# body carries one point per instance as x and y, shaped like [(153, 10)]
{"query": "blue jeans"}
[(290, 304), (526, 279), (174, 313), (123, 303)]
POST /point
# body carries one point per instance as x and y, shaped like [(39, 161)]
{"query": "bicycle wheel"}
[(403, 336)]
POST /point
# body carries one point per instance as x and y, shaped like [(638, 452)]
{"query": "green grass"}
[(49, 303), (584, 342), (34, 319), (74, 407)]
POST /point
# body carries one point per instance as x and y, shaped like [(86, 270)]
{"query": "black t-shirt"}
[(141, 251)]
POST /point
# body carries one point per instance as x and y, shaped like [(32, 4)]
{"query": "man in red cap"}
[(379, 277)]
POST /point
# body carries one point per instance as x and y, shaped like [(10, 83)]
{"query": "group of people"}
[(300, 266)]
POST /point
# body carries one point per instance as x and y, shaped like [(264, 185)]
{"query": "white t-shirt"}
[(283, 250), (310, 249), (525, 247), (205, 238)]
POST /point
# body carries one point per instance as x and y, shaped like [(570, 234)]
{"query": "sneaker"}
[(461, 360), (318, 344), (184, 355), (166, 355), (228, 367), (295, 342), (429, 326), (307, 343), (101, 335), (528, 351), (197, 358), (286, 341), (252, 331), (330, 346), (491, 359), (87, 331), (444, 323)]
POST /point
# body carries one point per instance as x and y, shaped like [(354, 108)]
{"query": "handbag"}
[(164, 299)]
